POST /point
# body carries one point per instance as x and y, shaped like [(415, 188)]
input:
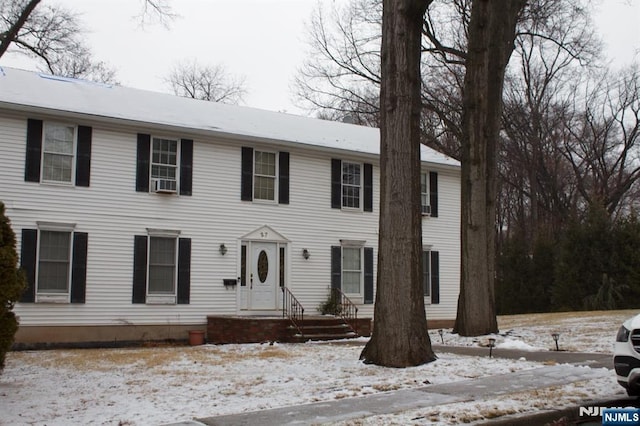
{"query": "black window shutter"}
[(184, 270), (336, 267), (433, 193), (83, 151), (336, 183), (368, 275), (142, 162), (28, 256), (79, 267), (34, 150), (186, 166), (246, 183), (368, 188), (425, 273), (435, 277), (283, 178), (139, 294)]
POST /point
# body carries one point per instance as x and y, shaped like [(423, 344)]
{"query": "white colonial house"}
[(140, 214)]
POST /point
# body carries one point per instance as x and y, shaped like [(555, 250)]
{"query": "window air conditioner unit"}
[(426, 210), (164, 186)]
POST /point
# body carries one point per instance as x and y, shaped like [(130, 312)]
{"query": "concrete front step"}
[(322, 328), (323, 337), (325, 329)]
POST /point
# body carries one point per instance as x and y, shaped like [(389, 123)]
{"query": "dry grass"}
[(150, 358), (557, 318)]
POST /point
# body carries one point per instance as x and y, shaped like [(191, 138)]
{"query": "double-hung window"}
[(58, 150), (264, 176), (431, 276), (164, 165), (351, 185), (54, 257), (162, 266), (58, 153), (352, 270), (54, 261), (424, 194), (426, 273)]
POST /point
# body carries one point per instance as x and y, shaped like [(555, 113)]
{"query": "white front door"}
[(263, 276)]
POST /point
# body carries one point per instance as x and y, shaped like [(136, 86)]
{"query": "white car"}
[(626, 356)]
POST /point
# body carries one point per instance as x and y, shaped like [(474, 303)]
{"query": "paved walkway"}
[(582, 366)]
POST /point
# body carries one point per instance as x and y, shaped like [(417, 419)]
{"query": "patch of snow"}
[(141, 386), (517, 344)]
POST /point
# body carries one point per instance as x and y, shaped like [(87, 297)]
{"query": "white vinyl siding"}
[(58, 148), (112, 213)]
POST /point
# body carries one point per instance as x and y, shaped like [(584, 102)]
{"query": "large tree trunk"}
[(400, 337), (491, 36)]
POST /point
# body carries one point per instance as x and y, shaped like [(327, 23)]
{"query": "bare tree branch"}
[(10, 35), (209, 83)]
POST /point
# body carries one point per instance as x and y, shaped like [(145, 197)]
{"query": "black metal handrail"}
[(292, 309), (345, 308)]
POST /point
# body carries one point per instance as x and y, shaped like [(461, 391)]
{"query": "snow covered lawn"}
[(146, 386)]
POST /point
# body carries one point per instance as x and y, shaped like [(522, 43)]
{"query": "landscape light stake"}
[(556, 336), (440, 332), (492, 342)]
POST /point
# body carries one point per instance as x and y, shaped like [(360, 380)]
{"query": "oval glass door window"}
[(263, 266)]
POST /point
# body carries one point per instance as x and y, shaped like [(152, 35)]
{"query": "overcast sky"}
[(262, 40)]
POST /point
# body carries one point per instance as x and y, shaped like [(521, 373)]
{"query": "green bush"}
[(12, 284), (330, 306)]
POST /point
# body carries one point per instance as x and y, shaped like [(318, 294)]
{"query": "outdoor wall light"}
[(441, 332), (556, 336), (492, 343), (306, 254), (223, 249)]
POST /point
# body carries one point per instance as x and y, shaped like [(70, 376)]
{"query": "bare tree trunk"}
[(491, 36), (400, 337)]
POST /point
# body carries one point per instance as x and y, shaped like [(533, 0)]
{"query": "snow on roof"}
[(32, 89)]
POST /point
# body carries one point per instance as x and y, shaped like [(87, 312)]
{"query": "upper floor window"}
[(424, 194), (164, 165), (264, 177), (351, 185), (429, 193), (58, 152)]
